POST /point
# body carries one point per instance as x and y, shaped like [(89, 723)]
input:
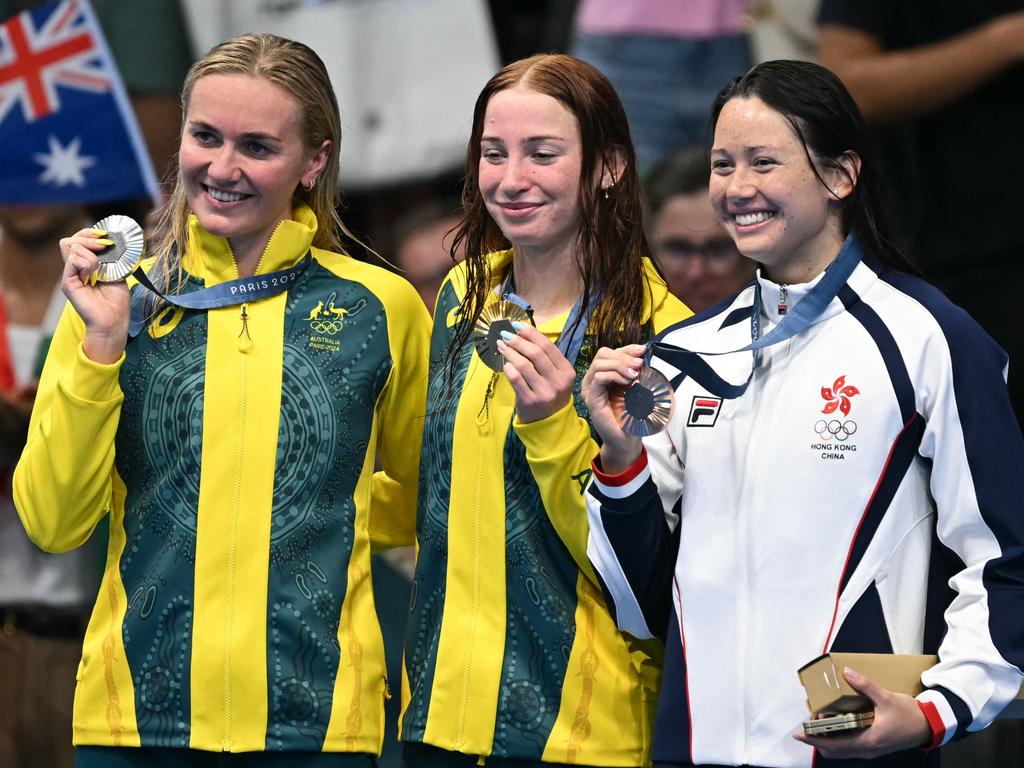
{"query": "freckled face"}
[(529, 172), (766, 193), (242, 158)]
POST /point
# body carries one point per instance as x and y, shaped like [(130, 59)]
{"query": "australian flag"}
[(67, 130)]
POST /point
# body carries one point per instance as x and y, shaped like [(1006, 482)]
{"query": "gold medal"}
[(645, 407), (118, 260), (493, 320)]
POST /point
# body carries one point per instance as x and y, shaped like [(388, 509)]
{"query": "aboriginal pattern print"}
[(329, 393), (426, 605), (541, 576), (328, 397), (158, 449), (540, 582)]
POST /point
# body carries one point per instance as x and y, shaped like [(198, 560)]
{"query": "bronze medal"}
[(118, 260), (645, 407), (493, 320)]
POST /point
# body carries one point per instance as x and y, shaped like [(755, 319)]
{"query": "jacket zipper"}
[(750, 476), (244, 345), (233, 536), (244, 337), (780, 354), (483, 424)]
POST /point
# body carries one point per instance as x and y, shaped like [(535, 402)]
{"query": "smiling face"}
[(529, 172), (242, 157), (767, 195)]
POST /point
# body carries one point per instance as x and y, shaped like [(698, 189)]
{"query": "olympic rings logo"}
[(330, 327), (840, 430)]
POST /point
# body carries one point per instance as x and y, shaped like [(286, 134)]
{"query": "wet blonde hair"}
[(299, 72)]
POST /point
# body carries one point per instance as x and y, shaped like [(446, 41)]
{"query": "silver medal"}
[(118, 260)]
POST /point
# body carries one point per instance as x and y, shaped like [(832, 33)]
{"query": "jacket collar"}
[(210, 258), (859, 282), (655, 293)]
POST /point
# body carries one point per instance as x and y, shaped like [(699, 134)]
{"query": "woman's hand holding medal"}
[(538, 372), (612, 371), (103, 306)]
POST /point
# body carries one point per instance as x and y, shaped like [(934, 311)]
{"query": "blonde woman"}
[(233, 449)]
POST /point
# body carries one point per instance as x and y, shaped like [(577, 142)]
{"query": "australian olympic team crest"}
[(834, 433), (327, 320)]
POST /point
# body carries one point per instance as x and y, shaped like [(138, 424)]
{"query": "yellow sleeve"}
[(62, 484), (560, 449), (400, 415)]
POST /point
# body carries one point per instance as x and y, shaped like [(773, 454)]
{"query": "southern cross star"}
[(63, 164)]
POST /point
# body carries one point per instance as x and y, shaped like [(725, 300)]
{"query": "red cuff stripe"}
[(935, 722), (625, 475)]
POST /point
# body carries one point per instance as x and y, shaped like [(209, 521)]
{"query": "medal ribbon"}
[(227, 294), (798, 319), (569, 344)]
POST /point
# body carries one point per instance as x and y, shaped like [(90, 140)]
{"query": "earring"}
[(606, 193), (312, 184)]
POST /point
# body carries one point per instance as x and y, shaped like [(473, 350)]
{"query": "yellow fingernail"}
[(95, 278), (105, 241), (99, 232)]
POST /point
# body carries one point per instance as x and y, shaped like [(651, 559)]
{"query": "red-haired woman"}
[(511, 651)]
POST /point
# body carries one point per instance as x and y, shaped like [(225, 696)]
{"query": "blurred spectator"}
[(695, 253), (423, 237), (44, 599), (667, 60), (942, 82)]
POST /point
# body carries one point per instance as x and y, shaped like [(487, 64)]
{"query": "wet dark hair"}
[(828, 124)]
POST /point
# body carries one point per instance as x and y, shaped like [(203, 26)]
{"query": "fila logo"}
[(704, 411)]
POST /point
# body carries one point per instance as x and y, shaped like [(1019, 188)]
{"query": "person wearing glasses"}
[(699, 260)]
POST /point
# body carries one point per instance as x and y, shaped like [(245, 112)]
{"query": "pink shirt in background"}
[(664, 18)]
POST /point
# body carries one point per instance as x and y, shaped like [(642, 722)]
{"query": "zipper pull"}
[(244, 339), (387, 689), (783, 300), (483, 416)]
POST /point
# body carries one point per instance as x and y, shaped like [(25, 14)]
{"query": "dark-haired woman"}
[(511, 653), (821, 506)]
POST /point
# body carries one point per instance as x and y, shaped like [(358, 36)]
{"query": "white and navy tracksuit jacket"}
[(874, 458)]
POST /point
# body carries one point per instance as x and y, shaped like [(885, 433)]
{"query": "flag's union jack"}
[(33, 62), (67, 129)]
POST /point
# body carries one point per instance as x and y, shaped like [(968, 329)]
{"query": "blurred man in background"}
[(45, 599), (698, 258)]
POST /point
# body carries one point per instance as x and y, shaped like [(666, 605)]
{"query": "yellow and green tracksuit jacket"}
[(510, 649), (236, 611)]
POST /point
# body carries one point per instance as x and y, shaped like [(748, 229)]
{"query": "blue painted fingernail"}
[(518, 325), (506, 335)]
